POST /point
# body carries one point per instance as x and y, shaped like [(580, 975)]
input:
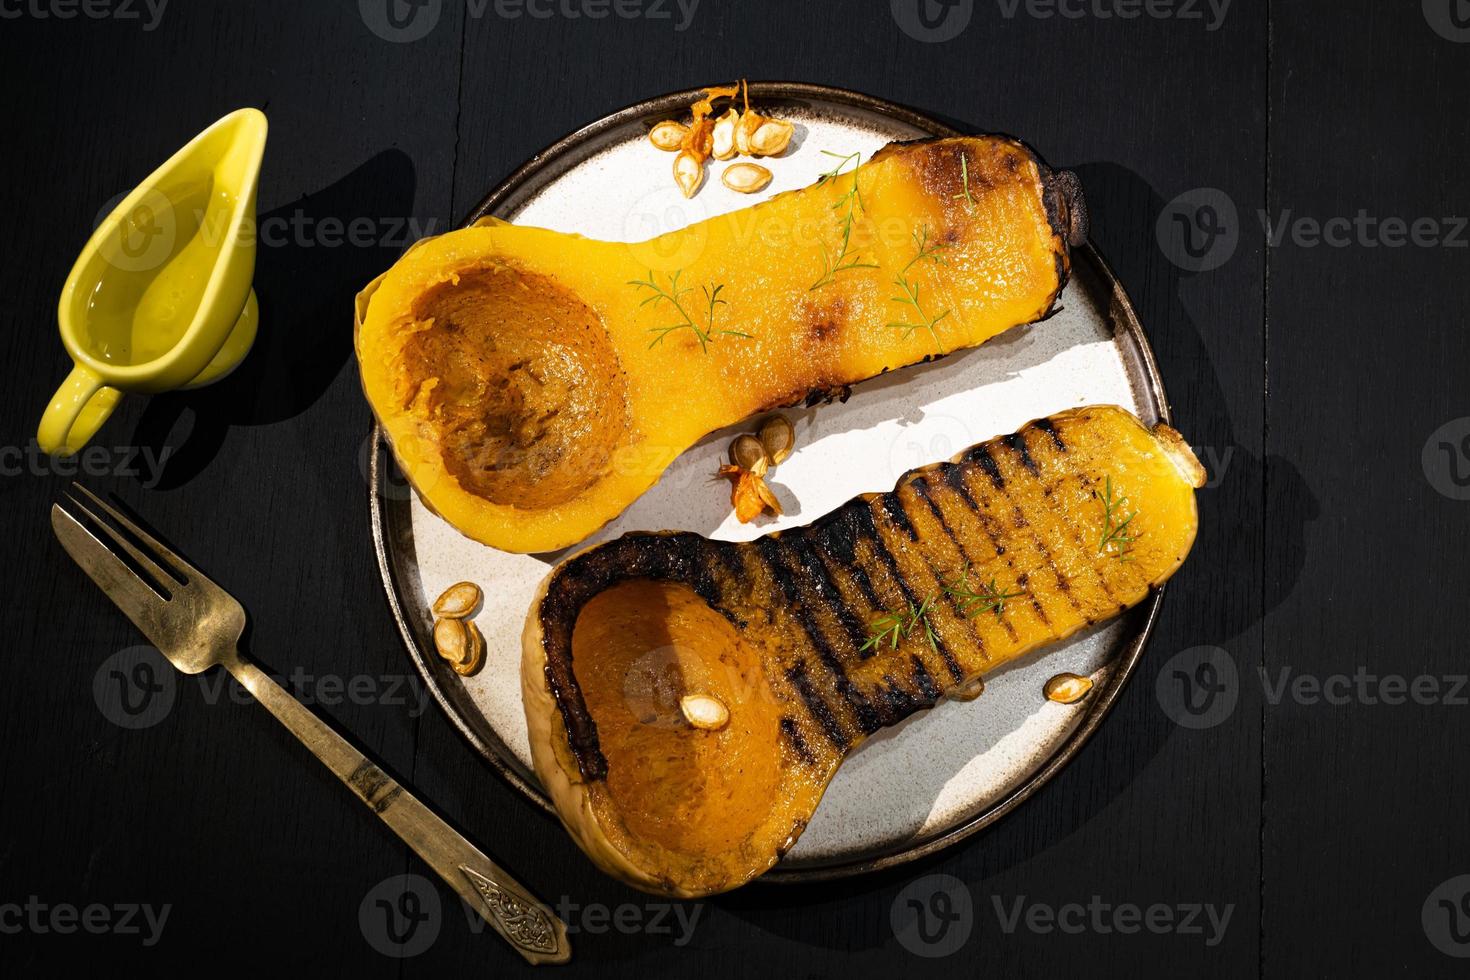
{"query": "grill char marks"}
[(1016, 511)]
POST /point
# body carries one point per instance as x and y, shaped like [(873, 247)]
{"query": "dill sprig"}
[(965, 176), (891, 627), (923, 251), (849, 204), (674, 296), (1115, 541), (974, 600)]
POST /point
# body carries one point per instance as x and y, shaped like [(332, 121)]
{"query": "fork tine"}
[(123, 585), (162, 580), (186, 572)]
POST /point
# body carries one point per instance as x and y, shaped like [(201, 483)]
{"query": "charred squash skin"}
[(515, 372), (776, 629)]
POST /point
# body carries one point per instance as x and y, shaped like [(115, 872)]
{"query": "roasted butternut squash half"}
[(533, 384), (814, 638)]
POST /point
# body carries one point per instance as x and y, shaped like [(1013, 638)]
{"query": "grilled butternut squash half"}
[(533, 384), (781, 632)]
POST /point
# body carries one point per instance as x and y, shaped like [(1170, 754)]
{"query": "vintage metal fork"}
[(197, 625)]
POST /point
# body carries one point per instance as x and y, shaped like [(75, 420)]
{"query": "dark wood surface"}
[(1311, 374)]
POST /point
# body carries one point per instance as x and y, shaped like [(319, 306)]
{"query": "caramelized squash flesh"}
[(781, 629), (532, 384)]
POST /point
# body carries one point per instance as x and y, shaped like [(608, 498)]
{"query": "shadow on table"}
[(1209, 603), (313, 255)]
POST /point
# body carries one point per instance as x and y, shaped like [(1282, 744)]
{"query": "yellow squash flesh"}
[(778, 630), (530, 394)]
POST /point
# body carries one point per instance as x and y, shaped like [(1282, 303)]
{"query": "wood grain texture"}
[(1323, 828)]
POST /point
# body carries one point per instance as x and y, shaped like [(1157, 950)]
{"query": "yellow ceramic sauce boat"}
[(160, 297)]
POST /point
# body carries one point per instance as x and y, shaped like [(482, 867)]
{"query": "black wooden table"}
[(1280, 790)]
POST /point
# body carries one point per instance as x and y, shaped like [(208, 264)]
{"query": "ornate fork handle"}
[(526, 924)]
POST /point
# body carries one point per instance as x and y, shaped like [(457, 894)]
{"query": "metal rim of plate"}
[(392, 518)]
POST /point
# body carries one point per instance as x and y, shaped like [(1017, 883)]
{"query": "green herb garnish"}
[(1115, 542), (674, 296)]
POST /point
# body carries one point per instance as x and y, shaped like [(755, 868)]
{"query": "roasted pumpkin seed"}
[(476, 655), (704, 711), (777, 437), (746, 451), (746, 128), (722, 137), (688, 172), (968, 691), (458, 601), (772, 138), (1067, 688), (452, 639), (745, 178), (668, 135)]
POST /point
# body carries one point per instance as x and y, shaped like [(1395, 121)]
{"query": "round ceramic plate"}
[(946, 772)]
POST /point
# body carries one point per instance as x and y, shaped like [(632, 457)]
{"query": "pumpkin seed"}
[(746, 451), (746, 178), (745, 129), (458, 601), (452, 639), (968, 691), (475, 658), (777, 437), (668, 135), (722, 146), (772, 138), (704, 711), (1067, 688), (688, 172)]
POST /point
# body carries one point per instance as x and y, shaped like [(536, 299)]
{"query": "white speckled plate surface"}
[(945, 772)]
